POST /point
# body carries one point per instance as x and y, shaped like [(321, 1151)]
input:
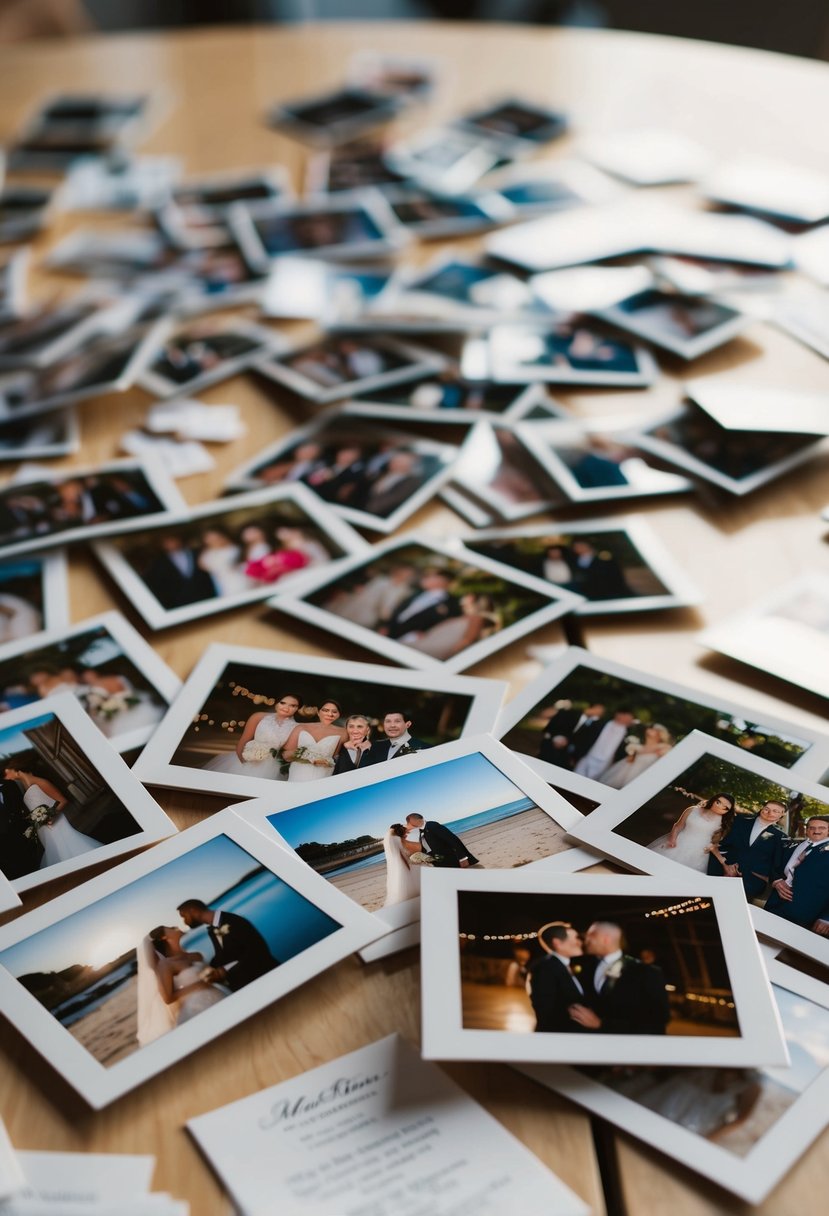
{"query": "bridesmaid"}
[(264, 734)]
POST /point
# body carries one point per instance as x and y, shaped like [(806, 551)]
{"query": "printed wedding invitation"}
[(377, 1130)]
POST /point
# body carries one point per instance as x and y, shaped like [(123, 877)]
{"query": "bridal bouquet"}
[(632, 745), (309, 755), (40, 817), (253, 751), (107, 705), (422, 859)]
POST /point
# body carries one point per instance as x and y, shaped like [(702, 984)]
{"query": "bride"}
[(313, 749), (691, 838), (640, 756), (170, 991), (115, 705), (59, 839), (263, 734), (402, 878)]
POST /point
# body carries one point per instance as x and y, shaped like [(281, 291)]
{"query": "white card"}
[(754, 407), (377, 1129), (193, 420), (758, 183), (178, 459), (71, 1180), (647, 157)]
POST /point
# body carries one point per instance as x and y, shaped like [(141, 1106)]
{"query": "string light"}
[(680, 909)]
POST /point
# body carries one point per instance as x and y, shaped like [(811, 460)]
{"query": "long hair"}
[(727, 821), (156, 936)]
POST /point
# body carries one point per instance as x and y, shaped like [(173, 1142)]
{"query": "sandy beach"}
[(108, 1032), (512, 842)]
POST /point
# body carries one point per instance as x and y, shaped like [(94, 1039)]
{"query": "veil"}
[(155, 1016), (398, 878)]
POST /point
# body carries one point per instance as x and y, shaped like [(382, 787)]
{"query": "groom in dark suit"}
[(448, 850), (19, 853), (552, 986), (175, 577), (800, 890), (398, 741), (752, 850), (425, 608), (559, 744), (241, 954), (623, 995)]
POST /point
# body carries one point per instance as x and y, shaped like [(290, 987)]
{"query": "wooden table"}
[(217, 86)]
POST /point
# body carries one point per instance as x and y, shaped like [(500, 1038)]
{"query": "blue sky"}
[(13, 740), (807, 1034), (445, 792), (114, 924)]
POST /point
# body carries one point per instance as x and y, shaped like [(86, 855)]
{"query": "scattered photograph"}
[(598, 461), (48, 332), (137, 184), (444, 397), (357, 226), (34, 595), (518, 121), (104, 663), (771, 187), (68, 800), (445, 159), (204, 352), (468, 806), (23, 212), (373, 476), (124, 976), (545, 186), (304, 288), (737, 461), (617, 565), (338, 366), (358, 165), (226, 553), (687, 326), (715, 809), (211, 278), (454, 293), (569, 351), (103, 364), (426, 605), (607, 723), (13, 285), (430, 216), (41, 438), (226, 732), (119, 496), (495, 467), (335, 117), (785, 633), (195, 215), (743, 1127), (593, 969), (123, 255)]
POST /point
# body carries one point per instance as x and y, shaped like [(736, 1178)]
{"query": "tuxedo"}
[(19, 854), (241, 950), (758, 861), (420, 612), (553, 990), (389, 492), (810, 885), (633, 1003), (600, 578), (449, 849), (564, 723), (379, 750), (344, 484), (177, 579)]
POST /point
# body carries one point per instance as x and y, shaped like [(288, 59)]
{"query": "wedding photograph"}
[(338, 366), (13, 285), (514, 120), (205, 351), (77, 504), (424, 604), (687, 326), (67, 800), (33, 596), (744, 1127), (225, 553), (334, 117), (544, 966), (711, 808), (471, 807), (736, 461), (116, 678), (49, 331), (229, 729), (122, 977), (599, 461), (445, 159), (370, 475), (569, 351), (118, 255), (618, 566), (785, 633), (430, 216), (607, 723), (447, 397), (496, 468), (42, 437)]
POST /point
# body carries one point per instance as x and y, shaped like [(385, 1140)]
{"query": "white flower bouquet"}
[(107, 705), (253, 751), (310, 755), (39, 817), (421, 859)]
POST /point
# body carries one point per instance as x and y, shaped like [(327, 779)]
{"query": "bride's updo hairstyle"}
[(157, 937), (398, 829)]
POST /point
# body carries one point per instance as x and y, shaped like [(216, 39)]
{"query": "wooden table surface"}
[(214, 87)]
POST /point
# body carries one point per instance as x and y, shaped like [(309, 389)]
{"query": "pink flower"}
[(272, 566)]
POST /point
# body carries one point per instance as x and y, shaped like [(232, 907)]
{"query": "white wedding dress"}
[(402, 878), (226, 568), (143, 714), (443, 640), (623, 771), (194, 1002), (271, 732), (692, 841), (60, 840), (153, 1015), (322, 749)]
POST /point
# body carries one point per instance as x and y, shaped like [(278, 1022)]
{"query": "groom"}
[(19, 853), (241, 954), (623, 995), (447, 849)]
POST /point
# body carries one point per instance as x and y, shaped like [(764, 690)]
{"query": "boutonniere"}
[(615, 971), (576, 969), (406, 750), (766, 835), (222, 930)]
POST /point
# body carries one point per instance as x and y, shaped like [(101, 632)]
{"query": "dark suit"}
[(422, 620), (635, 1003), (19, 854), (810, 886), (382, 500), (564, 723), (379, 750), (244, 947), (449, 849), (172, 587), (345, 764), (602, 579), (552, 991), (757, 861)]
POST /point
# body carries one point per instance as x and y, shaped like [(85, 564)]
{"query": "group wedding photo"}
[(445, 397), (339, 366)]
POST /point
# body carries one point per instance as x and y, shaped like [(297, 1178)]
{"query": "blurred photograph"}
[(13, 286), (687, 326), (431, 216), (204, 352), (446, 396), (42, 437), (495, 467), (23, 212), (335, 117), (340, 366), (33, 596), (342, 228), (570, 351), (516, 120), (447, 160)]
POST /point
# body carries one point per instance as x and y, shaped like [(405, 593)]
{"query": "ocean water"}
[(494, 815)]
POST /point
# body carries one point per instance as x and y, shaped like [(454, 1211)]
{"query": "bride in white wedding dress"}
[(170, 991), (264, 734), (59, 839), (689, 840), (402, 878), (313, 749), (657, 743)]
